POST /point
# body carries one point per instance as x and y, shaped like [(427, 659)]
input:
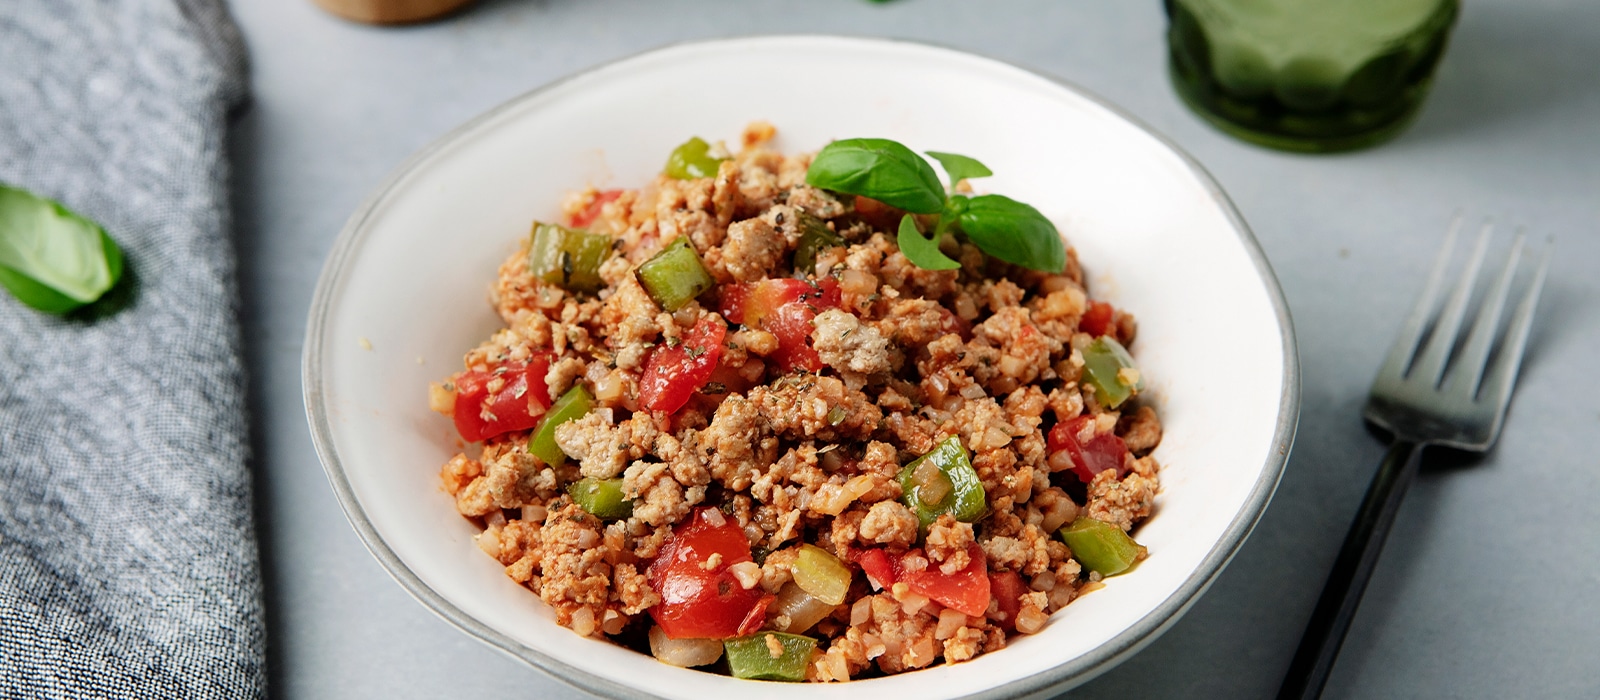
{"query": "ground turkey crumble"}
[(989, 353)]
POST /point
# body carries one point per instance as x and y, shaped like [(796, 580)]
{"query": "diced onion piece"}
[(686, 653), (801, 609)]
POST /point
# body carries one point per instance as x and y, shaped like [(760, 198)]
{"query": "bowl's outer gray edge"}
[(1056, 680)]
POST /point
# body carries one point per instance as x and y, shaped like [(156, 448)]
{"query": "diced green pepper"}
[(602, 498), (952, 486), (571, 406), (751, 657), (675, 276), (692, 159), (814, 238), (821, 574), (1101, 546), (1109, 368), (567, 258)]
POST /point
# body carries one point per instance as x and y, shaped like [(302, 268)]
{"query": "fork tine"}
[(1430, 366), (1405, 344), (1497, 387), (1468, 368)]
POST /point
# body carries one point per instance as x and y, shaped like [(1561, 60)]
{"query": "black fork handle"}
[(1313, 661)]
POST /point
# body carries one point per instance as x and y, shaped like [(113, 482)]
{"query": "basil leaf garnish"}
[(879, 169), (1013, 232), (960, 167), (922, 252), (891, 173), (50, 258)]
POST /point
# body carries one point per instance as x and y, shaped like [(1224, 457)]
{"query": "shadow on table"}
[(1513, 62)]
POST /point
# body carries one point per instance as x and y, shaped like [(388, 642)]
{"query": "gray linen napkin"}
[(127, 554)]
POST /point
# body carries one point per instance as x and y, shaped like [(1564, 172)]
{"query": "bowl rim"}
[(1079, 670)]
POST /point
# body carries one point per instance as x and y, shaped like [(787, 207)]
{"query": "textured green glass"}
[(1307, 75)]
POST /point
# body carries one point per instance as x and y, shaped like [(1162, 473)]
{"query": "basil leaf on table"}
[(1013, 232), (960, 167), (878, 169), (50, 258), (922, 252)]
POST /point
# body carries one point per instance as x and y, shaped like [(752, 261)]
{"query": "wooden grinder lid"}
[(391, 11)]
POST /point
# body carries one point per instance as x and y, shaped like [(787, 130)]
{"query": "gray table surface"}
[(1487, 588)]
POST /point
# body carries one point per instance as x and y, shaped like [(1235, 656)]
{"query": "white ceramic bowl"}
[(403, 295)]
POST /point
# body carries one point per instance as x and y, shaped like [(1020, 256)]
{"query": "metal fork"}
[(1438, 397)]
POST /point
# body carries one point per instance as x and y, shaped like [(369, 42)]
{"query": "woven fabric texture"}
[(128, 564)]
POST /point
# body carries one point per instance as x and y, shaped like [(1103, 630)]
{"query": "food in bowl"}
[(752, 417)]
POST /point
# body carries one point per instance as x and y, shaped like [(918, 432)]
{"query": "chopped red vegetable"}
[(784, 308), (875, 563), (674, 372), (1007, 589), (519, 399), (965, 591), (1100, 453), (1097, 320), (583, 218), (700, 598)]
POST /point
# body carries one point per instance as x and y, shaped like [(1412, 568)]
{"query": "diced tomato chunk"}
[(583, 218), (701, 599), (1100, 453), (1007, 589), (791, 325), (674, 372), (520, 399), (1097, 320), (965, 591), (784, 308), (875, 563)]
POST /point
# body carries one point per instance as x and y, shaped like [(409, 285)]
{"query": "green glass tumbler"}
[(1307, 75)]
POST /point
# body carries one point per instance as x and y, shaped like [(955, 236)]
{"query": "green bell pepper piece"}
[(675, 276), (692, 159), (964, 498), (572, 405), (1103, 362), (1101, 546), (821, 574), (814, 238), (602, 498), (567, 258), (751, 658)]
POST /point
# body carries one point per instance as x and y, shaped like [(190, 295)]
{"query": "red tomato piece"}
[(701, 603), (1100, 453), (875, 563), (791, 325), (784, 308), (521, 398), (731, 300), (1097, 320), (966, 591), (1007, 589), (673, 373), (583, 218)]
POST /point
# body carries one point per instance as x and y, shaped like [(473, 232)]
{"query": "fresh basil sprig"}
[(895, 175), (960, 167), (50, 258), (922, 252), (881, 169)]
